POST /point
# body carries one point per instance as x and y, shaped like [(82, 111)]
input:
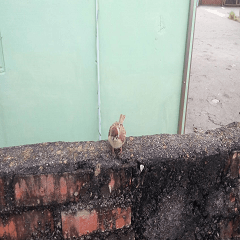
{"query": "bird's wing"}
[(122, 134)]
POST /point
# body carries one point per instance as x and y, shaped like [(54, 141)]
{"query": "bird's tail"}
[(121, 119)]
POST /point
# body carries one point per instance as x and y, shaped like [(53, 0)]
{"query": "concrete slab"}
[(214, 91)]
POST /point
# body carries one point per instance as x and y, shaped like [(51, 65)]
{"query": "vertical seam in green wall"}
[(98, 74)]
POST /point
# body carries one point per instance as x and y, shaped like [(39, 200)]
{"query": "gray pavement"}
[(214, 90)]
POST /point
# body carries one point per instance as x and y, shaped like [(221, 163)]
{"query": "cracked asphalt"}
[(214, 90)]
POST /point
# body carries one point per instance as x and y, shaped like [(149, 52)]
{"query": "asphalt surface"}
[(214, 90)]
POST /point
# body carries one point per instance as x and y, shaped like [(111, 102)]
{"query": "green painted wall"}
[(142, 47), (49, 89), (48, 92)]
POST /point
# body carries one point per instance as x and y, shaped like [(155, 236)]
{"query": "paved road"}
[(214, 91)]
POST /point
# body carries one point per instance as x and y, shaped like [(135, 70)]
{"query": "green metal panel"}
[(142, 49), (48, 91), (57, 57)]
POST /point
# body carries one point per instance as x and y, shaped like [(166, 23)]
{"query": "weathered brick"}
[(44, 189), (85, 222), (233, 165), (234, 168), (123, 217), (8, 230), (117, 181), (229, 229), (2, 201), (114, 219), (32, 223), (105, 220), (78, 224)]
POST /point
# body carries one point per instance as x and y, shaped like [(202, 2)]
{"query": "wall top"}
[(69, 156)]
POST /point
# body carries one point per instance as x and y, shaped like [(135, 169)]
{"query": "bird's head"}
[(114, 133)]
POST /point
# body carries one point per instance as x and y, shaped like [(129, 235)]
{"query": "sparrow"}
[(117, 134)]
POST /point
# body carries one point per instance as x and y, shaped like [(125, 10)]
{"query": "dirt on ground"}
[(214, 90)]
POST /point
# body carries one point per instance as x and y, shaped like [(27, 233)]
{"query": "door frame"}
[(187, 68)]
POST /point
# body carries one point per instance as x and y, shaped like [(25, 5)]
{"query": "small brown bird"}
[(117, 134)]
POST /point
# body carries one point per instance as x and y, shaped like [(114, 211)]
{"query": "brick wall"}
[(211, 2), (161, 187)]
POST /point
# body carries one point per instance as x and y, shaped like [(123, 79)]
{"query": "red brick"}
[(233, 165), (85, 222), (81, 223), (27, 224), (2, 201), (229, 229), (123, 217), (114, 219), (111, 184), (8, 230), (42, 189), (118, 181), (106, 220)]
